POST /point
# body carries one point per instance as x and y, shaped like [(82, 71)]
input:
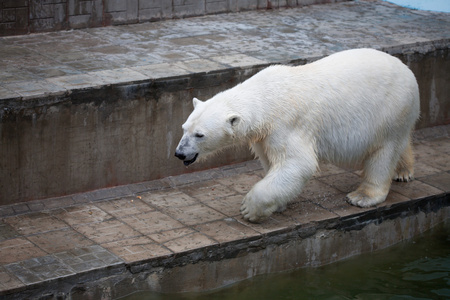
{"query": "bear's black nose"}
[(180, 155)]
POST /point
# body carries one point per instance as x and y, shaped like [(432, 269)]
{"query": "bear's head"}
[(209, 128)]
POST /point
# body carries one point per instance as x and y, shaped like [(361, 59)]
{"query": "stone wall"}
[(28, 16)]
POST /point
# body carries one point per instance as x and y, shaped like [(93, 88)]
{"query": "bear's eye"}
[(199, 135)]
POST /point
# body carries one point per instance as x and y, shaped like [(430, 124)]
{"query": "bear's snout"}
[(180, 155), (186, 160)]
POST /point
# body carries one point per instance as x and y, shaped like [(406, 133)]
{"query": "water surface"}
[(432, 5), (415, 269)]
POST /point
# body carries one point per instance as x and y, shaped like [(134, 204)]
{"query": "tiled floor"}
[(44, 240)]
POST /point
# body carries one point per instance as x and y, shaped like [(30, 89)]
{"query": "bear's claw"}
[(404, 177)]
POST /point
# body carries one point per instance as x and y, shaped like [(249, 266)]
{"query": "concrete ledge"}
[(185, 233)]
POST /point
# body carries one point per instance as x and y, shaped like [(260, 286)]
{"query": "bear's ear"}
[(195, 102), (234, 120)]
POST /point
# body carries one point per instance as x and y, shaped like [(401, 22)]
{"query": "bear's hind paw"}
[(403, 176)]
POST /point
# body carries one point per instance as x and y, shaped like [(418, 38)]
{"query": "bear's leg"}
[(377, 174), (405, 166), (281, 184), (258, 149)]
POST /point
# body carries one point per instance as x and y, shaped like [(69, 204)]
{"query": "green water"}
[(416, 269)]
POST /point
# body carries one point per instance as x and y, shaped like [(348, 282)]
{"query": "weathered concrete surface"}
[(88, 109), (21, 17), (185, 233)]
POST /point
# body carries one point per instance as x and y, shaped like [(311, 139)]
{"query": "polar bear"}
[(355, 108)]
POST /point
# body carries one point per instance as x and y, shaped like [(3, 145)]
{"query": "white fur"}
[(353, 108)]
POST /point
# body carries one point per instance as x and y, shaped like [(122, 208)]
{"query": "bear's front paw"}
[(256, 211), (361, 199)]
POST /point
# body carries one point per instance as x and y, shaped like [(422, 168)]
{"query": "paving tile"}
[(110, 193), (18, 249), (82, 198), (190, 178), (107, 231), (6, 93), (34, 88), (9, 281), (285, 220), (88, 258), (304, 212), (226, 230), (422, 169), (205, 191), (393, 198), (163, 70), (121, 75), (35, 223), (415, 189), (440, 181), (338, 204), (441, 144), (59, 240), (345, 182), (252, 165), (152, 222), (7, 231), (164, 199), (194, 214), (430, 133), (228, 206), (165, 236), (78, 81), (238, 169), (272, 224), (199, 65), (83, 214), (427, 154), (189, 242), (314, 188), (124, 207), (136, 249), (59, 202), (36, 205), (238, 60), (6, 210), (20, 208), (39, 269), (152, 185), (241, 183)]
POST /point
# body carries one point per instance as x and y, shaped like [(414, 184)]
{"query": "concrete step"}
[(94, 108), (185, 233)]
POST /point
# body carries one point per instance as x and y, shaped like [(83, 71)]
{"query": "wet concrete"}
[(185, 233)]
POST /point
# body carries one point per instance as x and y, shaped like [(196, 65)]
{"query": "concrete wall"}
[(121, 134), (27, 16)]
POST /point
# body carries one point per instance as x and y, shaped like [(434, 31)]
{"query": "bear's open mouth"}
[(188, 162)]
